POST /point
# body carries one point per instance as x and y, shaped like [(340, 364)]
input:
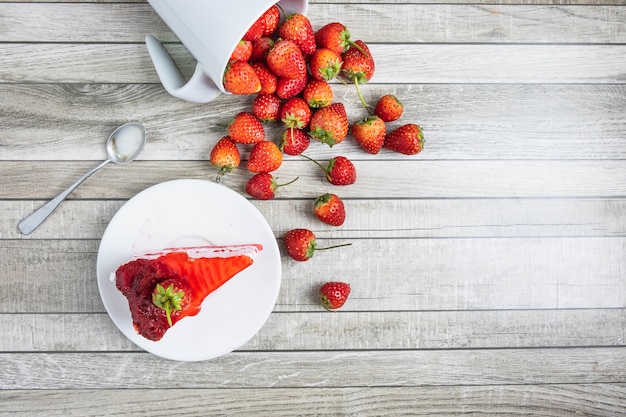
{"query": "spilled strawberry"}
[(324, 64), (225, 156), (265, 156), (358, 66), (266, 107), (329, 124), (407, 139), (246, 128), (294, 141), (317, 93), (263, 186), (339, 171), (330, 209), (388, 108), (334, 294), (240, 78), (297, 28), (370, 133), (295, 113), (286, 60), (301, 244)]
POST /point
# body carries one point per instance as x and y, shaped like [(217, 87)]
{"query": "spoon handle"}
[(31, 222)]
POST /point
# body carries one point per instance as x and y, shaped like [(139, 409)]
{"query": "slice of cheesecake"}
[(166, 286)]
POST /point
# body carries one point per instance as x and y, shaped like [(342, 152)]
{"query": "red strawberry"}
[(242, 51), (255, 31), (297, 28), (267, 78), (407, 139), (286, 60), (240, 78), (329, 124), (265, 157), (263, 186), (334, 36), (301, 244), (294, 141), (269, 20), (370, 133), (333, 295), (330, 209), (266, 107), (317, 93), (295, 113), (290, 87), (225, 155), (358, 63), (388, 108), (324, 64), (339, 171), (358, 66), (260, 48), (246, 129)]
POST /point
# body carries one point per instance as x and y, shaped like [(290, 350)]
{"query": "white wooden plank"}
[(411, 178), (448, 63), (385, 274), (403, 368), (458, 23), (466, 121), (346, 330), (434, 401), (432, 218)]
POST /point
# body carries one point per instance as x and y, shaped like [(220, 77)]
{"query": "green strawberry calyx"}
[(168, 300)]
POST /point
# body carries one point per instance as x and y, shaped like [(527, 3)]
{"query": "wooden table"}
[(488, 272)]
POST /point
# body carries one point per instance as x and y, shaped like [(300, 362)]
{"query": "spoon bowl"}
[(124, 145)]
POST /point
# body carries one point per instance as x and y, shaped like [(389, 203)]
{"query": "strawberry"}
[(317, 93), (266, 107), (370, 133), (172, 295), (286, 60), (266, 77), (260, 48), (339, 171), (324, 64), (330, 209), (388, 108), (301, 244), (333, 295), (225, 155), (358, 66), (294, 141), (297, 28), (265, 156), (263, 186), (407, 139), (240, 78), (334, 36), (290, 87), (269, 20), (329, 124), (295, 113), (255, 31), (242, 51), (246, 128)]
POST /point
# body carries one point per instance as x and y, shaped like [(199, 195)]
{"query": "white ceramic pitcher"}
[(210, 30)]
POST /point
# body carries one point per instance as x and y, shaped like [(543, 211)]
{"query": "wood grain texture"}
[(436, 274), (130, 63), (488, 272), (348, 330), (460, 122), (418, 23), (399, 368), (434, 401), (382, 218)]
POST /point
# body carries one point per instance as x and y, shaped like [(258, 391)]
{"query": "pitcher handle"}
[(199, 89)]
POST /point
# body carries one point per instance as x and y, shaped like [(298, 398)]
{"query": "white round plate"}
[(192, 212)]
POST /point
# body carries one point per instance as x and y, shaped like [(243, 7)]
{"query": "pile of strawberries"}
[(288, 66)]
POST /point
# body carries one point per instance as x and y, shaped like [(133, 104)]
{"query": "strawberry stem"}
[(318, 164), (358, 91), (333, 247), (287, 183)]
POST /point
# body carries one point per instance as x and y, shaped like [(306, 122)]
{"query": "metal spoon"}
[(124, 145)]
